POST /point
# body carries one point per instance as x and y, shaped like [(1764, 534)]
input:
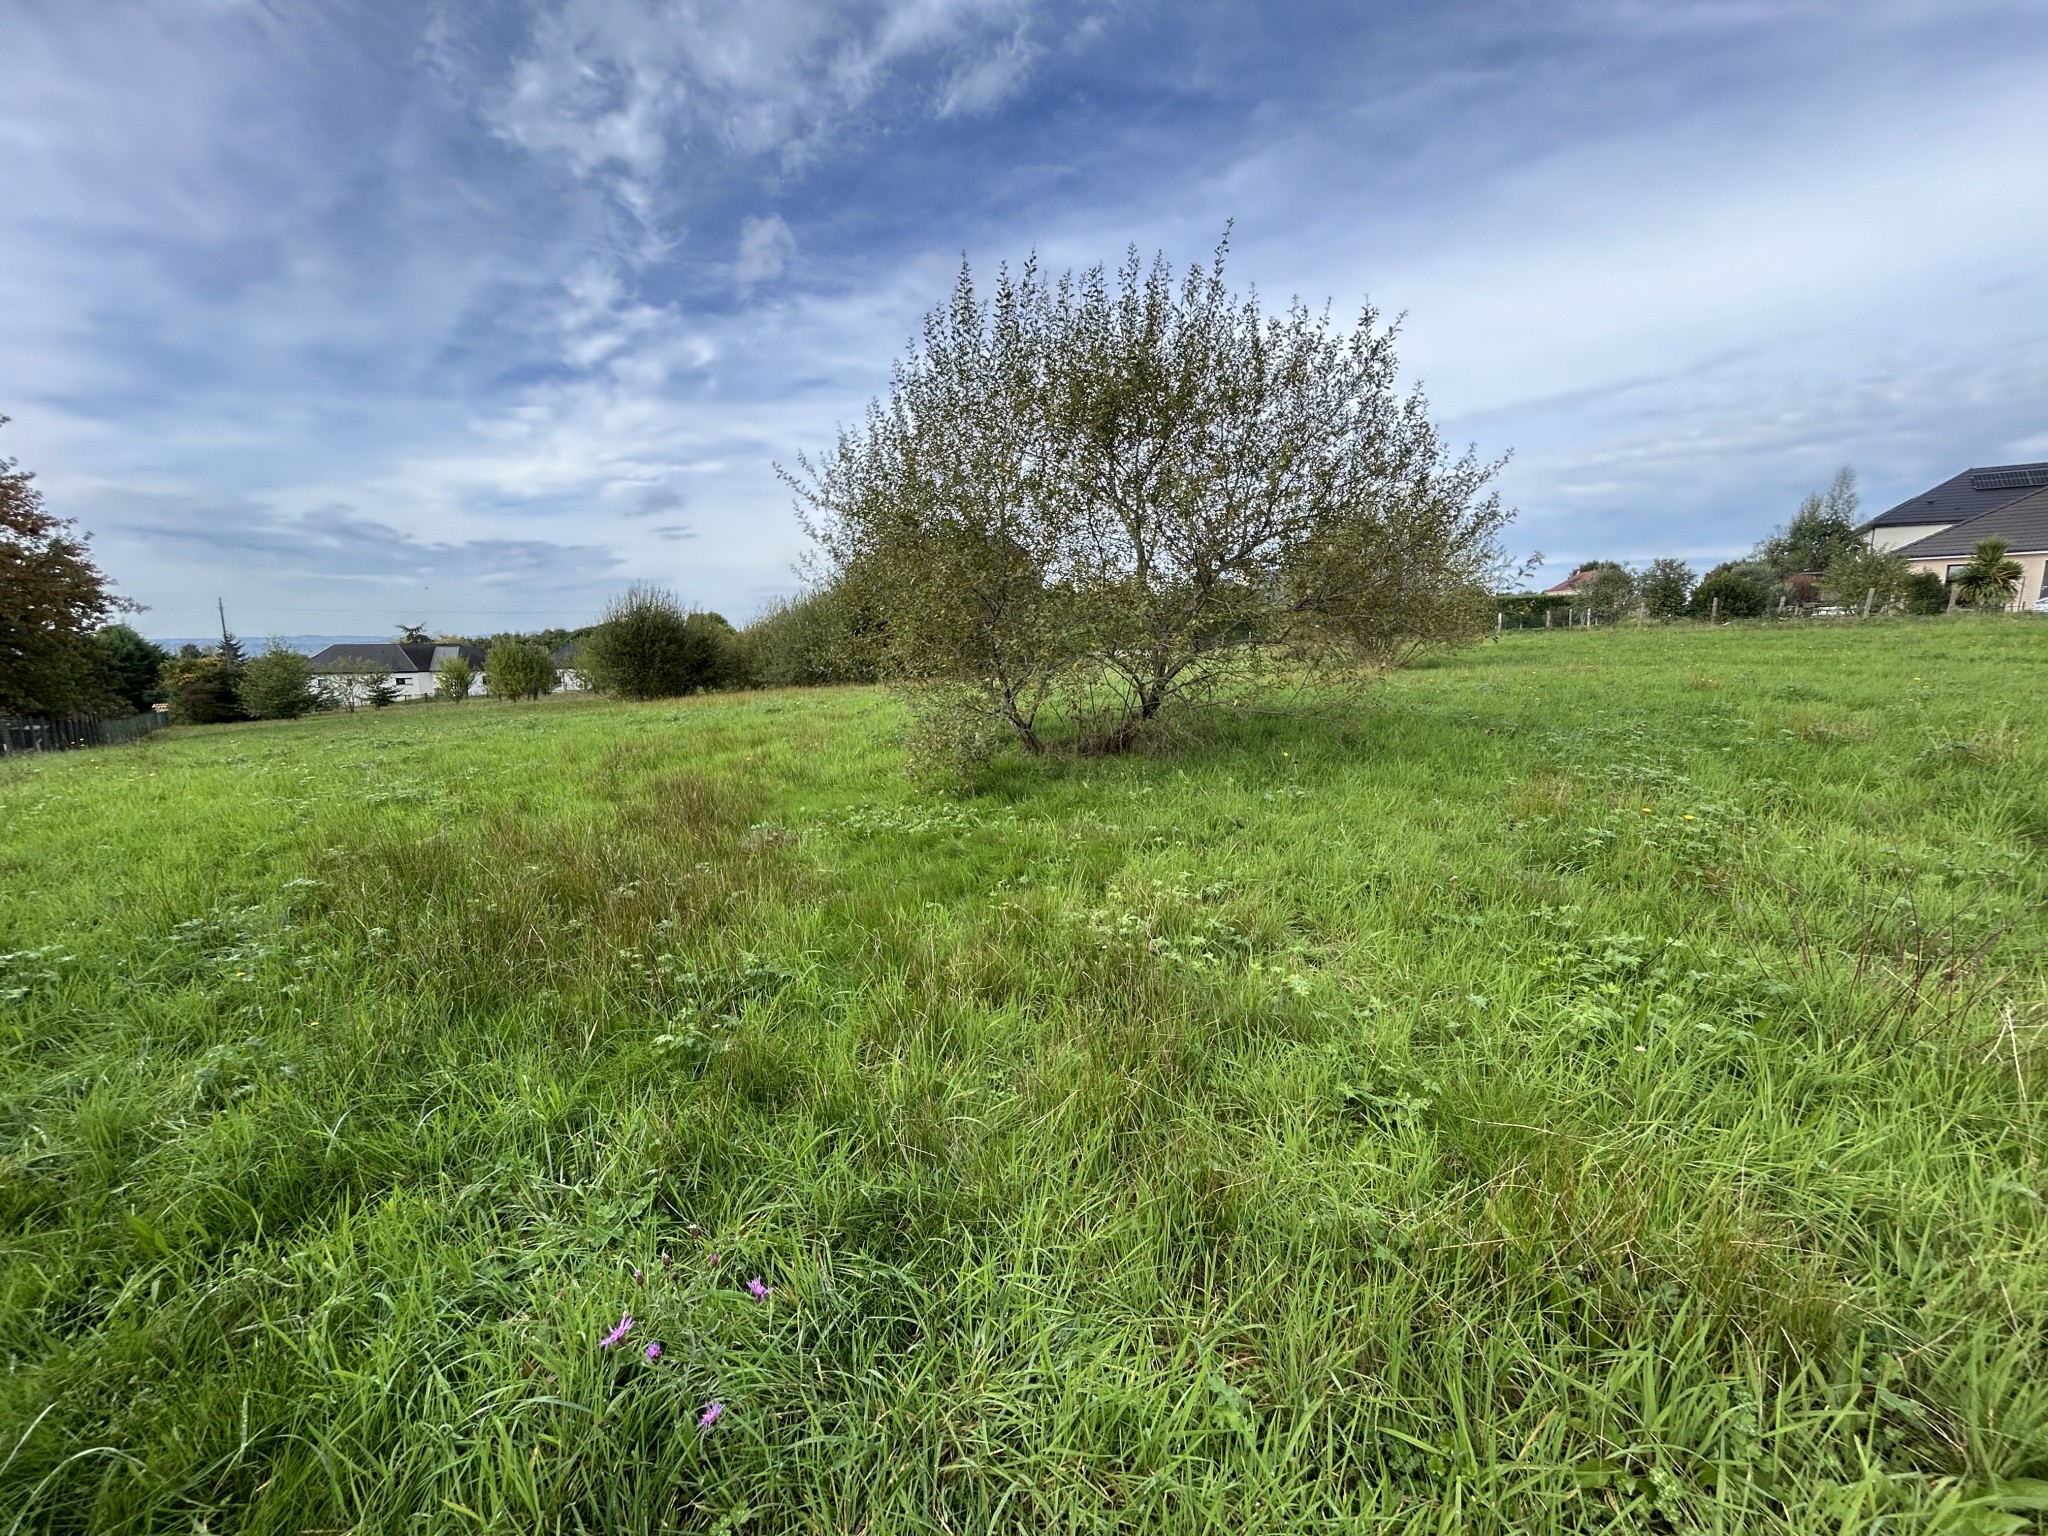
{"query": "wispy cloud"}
[(507, 304)]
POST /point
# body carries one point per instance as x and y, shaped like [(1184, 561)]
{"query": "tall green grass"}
[(1594, 1084)]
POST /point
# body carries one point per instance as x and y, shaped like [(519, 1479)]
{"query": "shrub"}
[(1925, 593), (204, 687), (1666, 588), (1090, 500), (454, 678), (519, 669), (278, 685), (1611, 592), (650, 647), (809, 641), (1855, 573), (1741, 590)]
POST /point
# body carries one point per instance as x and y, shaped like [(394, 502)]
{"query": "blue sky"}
[(474, 313)]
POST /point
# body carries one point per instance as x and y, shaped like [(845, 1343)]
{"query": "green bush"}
[(1735, 591), (650, 646), (1666, 588), (1855, 573), (278, 685), (1925, 593), (454, 678), (811, 641), (518, 669), (204, 687)]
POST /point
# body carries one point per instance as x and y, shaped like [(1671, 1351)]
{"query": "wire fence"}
[(63, 735)]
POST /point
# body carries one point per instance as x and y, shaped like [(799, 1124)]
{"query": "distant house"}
[(409, 669), (1936, 530), (1578, 581), (573, 678)]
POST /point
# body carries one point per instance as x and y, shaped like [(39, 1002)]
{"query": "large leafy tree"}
[(1821, 531), (1089, 500), (52, 599)]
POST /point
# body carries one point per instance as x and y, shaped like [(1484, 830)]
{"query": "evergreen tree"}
[(132, 666)]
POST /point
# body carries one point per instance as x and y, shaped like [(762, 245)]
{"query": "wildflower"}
[(625, 1327), (1688, 818), (710, 1415), (714, 1260), (638, 1278), (652, 1352), (761, 1292)]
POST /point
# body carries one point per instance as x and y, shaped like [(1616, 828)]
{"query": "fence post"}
[(1869, 601), (1954, 595), (1546, 617), (1715, 616), (1500, 621)]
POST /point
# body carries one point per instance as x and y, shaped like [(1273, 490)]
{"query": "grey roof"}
[(393, 658), (2023, 524), (1970, 494)]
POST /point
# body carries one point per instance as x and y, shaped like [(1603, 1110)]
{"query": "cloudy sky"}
[(472, 313)]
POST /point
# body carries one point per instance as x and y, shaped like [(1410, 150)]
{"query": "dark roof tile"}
[(1970, 494), (2023, 524)]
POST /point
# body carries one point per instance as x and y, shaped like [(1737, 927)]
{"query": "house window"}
[(1954, 571)]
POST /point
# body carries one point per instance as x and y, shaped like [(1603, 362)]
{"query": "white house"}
[(409, 669)]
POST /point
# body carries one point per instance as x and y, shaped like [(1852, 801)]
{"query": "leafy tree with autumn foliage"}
[(52, 598)]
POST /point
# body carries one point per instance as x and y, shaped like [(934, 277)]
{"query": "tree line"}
[(1818, 558)]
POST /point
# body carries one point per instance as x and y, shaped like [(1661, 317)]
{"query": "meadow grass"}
[(1593, 1083)]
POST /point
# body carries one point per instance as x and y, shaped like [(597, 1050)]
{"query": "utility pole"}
[(221, 604)]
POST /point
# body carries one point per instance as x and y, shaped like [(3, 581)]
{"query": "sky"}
[(472, 314)]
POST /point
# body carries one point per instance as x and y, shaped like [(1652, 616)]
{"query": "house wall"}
[(1898, 538), (408, 685), (2032, 596)]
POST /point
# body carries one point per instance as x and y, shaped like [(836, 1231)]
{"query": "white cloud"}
[(766, 246)]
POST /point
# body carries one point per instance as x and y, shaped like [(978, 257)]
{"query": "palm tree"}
[(1990, 579)]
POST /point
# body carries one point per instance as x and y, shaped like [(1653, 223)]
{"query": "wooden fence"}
[(63, 735)]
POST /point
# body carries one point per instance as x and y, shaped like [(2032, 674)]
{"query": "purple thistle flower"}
[(625, 1327), (710, 1415), (652, 1351), (761, 1292), (638, 1278)]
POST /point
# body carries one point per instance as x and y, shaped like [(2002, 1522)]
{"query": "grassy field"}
[(1595, 1083)]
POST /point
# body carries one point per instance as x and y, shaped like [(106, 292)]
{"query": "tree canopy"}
[(52, 599), (1089, 499), (1821, 531)]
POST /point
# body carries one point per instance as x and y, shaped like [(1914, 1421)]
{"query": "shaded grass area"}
[(1593, 1085)]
